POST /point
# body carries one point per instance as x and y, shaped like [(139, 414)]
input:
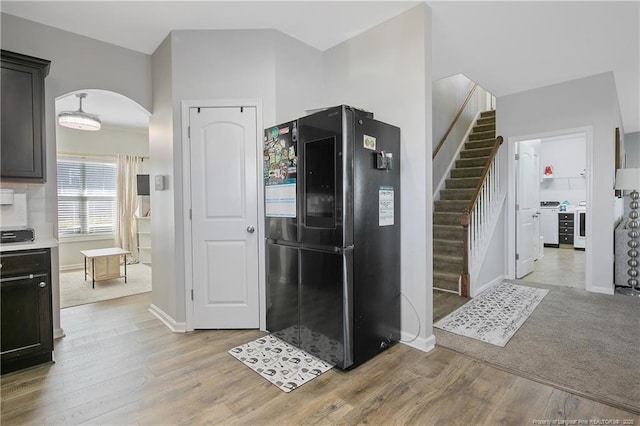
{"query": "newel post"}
[(464, 282)]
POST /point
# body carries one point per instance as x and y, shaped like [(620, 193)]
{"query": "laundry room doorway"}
[(551, 173)]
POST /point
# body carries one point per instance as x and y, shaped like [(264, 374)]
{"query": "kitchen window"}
[(87, 191)]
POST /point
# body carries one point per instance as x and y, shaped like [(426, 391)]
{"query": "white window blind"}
[(87, 191)]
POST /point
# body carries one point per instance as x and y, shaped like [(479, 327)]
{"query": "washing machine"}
[(549, 223)]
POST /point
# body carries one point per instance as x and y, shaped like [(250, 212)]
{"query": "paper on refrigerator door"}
[(385, 206), (280, 200)]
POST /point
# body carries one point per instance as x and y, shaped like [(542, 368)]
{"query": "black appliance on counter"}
[(17, 236), (332, 206)]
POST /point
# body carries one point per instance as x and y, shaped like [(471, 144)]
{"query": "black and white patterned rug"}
[(281, 363), (495, 315)]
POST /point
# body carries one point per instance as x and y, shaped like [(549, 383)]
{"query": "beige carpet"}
[(74, 290), (582, 342)]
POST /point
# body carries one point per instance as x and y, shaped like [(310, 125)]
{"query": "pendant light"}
[(79, 119)]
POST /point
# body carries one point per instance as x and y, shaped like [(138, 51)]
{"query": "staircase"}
[(455, 198)]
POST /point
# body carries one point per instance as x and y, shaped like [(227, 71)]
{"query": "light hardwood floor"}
[(119, 365)]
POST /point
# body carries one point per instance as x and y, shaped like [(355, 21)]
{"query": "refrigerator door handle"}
[(327, 249)]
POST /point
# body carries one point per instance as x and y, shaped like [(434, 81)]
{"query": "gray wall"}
[(205, 65), (77, 62), (368, 70), (214, 65), (387, 70), (493, 268), (298, 78), (588, 102), (110, 140), (448, 96), (166, 294)]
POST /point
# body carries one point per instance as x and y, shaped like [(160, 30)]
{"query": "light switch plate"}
[(159, 182)]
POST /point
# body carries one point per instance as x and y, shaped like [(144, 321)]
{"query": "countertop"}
[(39, 243), (569, 208)]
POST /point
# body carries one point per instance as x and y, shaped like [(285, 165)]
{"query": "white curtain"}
[(126, 228)]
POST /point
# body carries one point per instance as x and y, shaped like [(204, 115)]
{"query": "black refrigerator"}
[(333, 259), (281, 230)]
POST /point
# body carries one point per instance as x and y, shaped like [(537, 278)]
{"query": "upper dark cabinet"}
[(22, 147)]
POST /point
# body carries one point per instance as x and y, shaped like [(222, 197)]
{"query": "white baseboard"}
[(71, 267), (489, 285), (601, 290), (424, 344), (173, 325), (58, 333)]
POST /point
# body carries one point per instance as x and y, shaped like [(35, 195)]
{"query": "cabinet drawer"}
[(566, 239), (565, 216), (566, 224), (24, 262), (566, 230)]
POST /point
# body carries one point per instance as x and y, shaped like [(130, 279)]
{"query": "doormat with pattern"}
[(284, 365), (495, 315)]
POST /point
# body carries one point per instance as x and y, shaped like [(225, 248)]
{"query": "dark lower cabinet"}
[(22, 143), (25, 295), (565, 228)]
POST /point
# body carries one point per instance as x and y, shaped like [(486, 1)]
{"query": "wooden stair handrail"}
[(455, 120), (464, 220)]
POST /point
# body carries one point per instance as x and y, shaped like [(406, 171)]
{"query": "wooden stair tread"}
[(447, 257), (445, 275), (447, 242)]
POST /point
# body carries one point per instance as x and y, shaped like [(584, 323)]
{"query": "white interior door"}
[(527, 206), (224, 203)]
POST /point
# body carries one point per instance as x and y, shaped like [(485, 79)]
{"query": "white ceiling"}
[(510, 47), (507, 47), (142, 25)]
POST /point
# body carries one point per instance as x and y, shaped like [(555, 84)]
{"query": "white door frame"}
[(511, 196), (186, 178)]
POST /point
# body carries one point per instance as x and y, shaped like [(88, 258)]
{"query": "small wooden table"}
[(105, 264)]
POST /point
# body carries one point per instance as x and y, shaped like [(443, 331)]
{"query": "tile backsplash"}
[(36, 206)]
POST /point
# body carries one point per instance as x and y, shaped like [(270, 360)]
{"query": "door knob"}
[(42, 284), (250, 229)]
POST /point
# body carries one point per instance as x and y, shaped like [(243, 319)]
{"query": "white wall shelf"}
[(144, 239), (562, 177)]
